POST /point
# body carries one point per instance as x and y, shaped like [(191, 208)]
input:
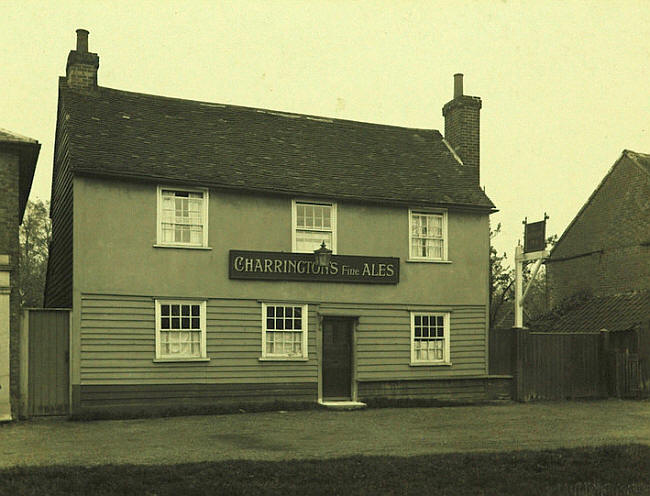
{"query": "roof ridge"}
[(634, 157), (276, 112), (593, 194)]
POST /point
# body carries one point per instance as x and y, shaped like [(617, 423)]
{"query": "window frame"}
[(446, 360), (294, 222), (159, 208), (305, 334), (177, 358), (445, 217)]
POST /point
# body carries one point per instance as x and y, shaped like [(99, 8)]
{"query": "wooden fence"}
[(553, 366), (500, 356), (566, 365)]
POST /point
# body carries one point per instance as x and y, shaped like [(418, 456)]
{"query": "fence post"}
[(519, 343), (604, 363)]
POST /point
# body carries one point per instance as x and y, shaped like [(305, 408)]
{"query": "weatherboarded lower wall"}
[(117, 345)]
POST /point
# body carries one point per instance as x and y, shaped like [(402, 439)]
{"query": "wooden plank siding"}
[(118, 343), (58, 285), (118, 372), (383, 345)]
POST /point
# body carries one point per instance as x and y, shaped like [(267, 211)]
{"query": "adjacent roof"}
[(642, 160), (28, 150), (619, 312), (7, 136), (131, 135)]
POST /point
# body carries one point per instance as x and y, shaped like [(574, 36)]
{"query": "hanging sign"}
[(535, 236), (282, 266)]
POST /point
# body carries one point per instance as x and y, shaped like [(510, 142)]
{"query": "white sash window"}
[(182, 217), (430, 338), (284, 331), (427, 235), (180, 330), (313, 224)]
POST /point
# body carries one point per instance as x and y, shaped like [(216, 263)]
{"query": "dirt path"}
[(324, 434)]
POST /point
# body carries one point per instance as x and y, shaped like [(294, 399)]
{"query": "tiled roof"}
[(28, 150), (641, 159), (123, 134), (11, 137), (618, 312)]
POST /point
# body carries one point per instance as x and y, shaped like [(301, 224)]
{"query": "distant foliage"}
[(35, 234)]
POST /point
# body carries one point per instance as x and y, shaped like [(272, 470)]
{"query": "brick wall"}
[(81, 70), (605, 251), (462, 128), (9, 211)]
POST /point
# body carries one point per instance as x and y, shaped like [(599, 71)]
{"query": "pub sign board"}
[(282, 266), (535, 236)]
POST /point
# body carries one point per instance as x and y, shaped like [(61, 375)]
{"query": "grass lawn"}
[(610, 470)]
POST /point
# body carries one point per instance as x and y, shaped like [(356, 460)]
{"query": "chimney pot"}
[(458, 85), (82, 40)]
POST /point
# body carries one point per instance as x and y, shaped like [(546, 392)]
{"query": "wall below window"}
[(152, 399)]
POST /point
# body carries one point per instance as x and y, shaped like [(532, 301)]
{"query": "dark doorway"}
[(337, 358)]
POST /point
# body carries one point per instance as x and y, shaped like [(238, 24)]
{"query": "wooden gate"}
[(48, 338), (626, 374)]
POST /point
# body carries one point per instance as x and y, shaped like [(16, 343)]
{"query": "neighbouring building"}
[(606, 248), (18, 156), (598, 273), (184, 235)]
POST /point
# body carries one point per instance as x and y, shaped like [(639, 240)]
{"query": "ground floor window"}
[(180, 329), (284, 331), (430, 338)]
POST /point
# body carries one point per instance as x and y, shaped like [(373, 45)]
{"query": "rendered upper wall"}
[(115, 230)]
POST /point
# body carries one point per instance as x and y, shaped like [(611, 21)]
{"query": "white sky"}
[(565, 85)]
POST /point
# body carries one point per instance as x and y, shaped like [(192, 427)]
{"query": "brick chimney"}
[(81, 69), (462, 125)]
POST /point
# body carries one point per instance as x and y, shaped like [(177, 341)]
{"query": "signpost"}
[(534, 249)]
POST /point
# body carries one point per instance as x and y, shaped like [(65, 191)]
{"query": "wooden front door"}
[(337, 358)]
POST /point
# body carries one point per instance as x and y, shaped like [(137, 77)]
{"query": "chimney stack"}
[(81, 69), (82, 40), (462, 125)]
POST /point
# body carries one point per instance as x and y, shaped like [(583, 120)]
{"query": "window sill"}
[(172, 360), (430, 364), (282, 359), (187, 247), (426, 260)]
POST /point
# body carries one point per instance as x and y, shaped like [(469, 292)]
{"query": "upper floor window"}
[(313, 223), (182, 217), (427, 235)]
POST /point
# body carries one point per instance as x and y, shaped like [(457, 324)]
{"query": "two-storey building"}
[(184, 235)]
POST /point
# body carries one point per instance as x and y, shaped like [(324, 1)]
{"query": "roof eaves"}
[(279, 191)]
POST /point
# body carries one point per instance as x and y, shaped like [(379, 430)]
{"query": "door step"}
[(342, 405)]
